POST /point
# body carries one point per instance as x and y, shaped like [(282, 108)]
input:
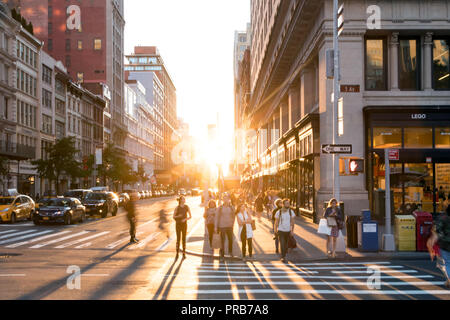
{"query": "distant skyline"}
[(196, 42)]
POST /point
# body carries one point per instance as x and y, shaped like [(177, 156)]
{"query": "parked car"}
[(15, 208), (182, 192), (101, 203), (60, 210), (123, 199), (77, 193), (146, 194), (133, 194), (99, 189)]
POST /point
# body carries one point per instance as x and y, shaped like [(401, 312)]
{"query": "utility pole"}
[(337, 74)]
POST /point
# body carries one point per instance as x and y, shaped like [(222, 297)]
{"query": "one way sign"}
[(337, 148)]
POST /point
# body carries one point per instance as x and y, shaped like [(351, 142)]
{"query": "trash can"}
[(424, 223), (352, 231), (405, 232), (368, 236)]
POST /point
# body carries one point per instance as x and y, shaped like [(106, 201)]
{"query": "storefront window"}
[(441, 66), (442, 185), (409, 65), (418, 138), (384, 138), (375, 65), (442, 138)]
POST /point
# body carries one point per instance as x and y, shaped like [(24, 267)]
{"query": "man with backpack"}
[(284, 227), (224, 223), (278, 206)]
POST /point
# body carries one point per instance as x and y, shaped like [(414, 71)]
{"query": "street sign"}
[(337, 148), (394, 155), (347, 88)]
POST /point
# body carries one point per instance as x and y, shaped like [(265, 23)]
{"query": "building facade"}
[(395, 90), (147, 66)]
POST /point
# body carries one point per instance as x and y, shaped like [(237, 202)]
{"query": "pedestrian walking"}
[(181, 215), (163, 223), (244, 220), (259, 206), (284, 226), (335, 220), (130, 208), (439, 245), (278, 206), (267, 201), (210, 219), (224, 223)]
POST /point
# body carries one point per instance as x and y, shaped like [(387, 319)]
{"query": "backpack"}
[(279, 220)]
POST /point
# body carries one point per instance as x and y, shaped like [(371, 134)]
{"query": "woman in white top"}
[(244, 220)]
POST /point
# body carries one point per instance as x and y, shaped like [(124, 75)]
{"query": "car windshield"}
[(6, 201), (56, 202), (96, 196)]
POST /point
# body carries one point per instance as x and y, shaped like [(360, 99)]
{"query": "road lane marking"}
[(94, 275), (329, 292), (383, 271), (82, 240), (165, 244), (294, 264), (320, 277), (13, 275), (305, 268), (59, 240), (37, 239), (25, 237), (306, 283), (9, 231), (16, 234), (258, 272), (115, 244)]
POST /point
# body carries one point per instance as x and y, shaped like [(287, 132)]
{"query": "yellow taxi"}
[(16, 208)]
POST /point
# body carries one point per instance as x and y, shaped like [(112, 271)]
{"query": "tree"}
[(4, 169), (61, 161), (142, 175)]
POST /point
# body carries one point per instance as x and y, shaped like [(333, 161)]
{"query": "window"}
[(47, 124), (97, 44), (80, 45), (60, 87), (441, 65), (419, 138), (50, 28), (387, 138), (68, 61), (46, 74), (60, 107), (409, 64), (50, 44), (143, 60), (46, 99), (442, 138), (375, 64), (67, 44)]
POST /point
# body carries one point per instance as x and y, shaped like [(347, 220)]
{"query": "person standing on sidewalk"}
[(244, 220), (224, 223), (335, 220), (130, 208), (181, 215), (284, 226), (441, 237), (210, 219), (259, 206), (278, 206)]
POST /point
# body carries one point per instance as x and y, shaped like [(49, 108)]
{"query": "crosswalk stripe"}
[(383, 271), (82, 240), (9, 231), (164, 245), (115, 244), (25, 237), (305, 268), (329, 292), (144, 242), (15, 245), (295, 264), (85, 245), (16, 234), (259, 272), (319, 277), (58, 240), (306, 283)]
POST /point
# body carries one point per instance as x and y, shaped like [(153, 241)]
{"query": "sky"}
[(196, 41)]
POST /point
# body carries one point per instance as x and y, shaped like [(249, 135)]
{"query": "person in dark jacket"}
[(439, 245), (333, 213), (181, 215), (130, 208)]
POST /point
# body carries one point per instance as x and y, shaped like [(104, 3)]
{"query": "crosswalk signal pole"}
[(336, 181)]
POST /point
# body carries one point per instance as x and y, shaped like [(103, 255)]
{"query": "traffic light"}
[(356, 166)]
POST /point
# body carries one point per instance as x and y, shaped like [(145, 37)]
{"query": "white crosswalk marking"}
[(58, 240), (9, 231), (16, 234), (82, 240), (302, 268), (321, 277), (25, 237), (15, 245), (123, 240), (252, 272), (296, 264), (329, 292), (142, 243), (306, 283), (390, 271)]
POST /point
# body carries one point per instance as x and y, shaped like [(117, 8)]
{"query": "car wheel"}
[(13, 218), (36, 222), (68, 219)]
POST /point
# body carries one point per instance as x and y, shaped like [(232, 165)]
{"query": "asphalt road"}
[(94, 260)]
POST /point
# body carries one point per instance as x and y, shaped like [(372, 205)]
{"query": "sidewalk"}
[(310, 245)]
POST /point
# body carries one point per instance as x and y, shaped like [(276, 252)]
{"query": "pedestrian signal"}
[(356, 166)]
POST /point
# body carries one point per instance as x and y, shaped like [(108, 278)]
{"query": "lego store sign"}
[(73, 18)]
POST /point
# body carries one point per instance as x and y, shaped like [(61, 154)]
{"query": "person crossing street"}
[(132, 219), (284, 226), (224, 223), (181, 215)]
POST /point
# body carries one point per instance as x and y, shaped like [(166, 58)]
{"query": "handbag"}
[(331, 221), (324, 228), (340, 243), (216, 242), (292, 243)]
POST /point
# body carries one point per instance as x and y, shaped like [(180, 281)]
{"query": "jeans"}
[(210, 228), (284, 241), (276, 238), (445, 263), (132, 221), (181, 229), (228, 232), (246, 242)]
